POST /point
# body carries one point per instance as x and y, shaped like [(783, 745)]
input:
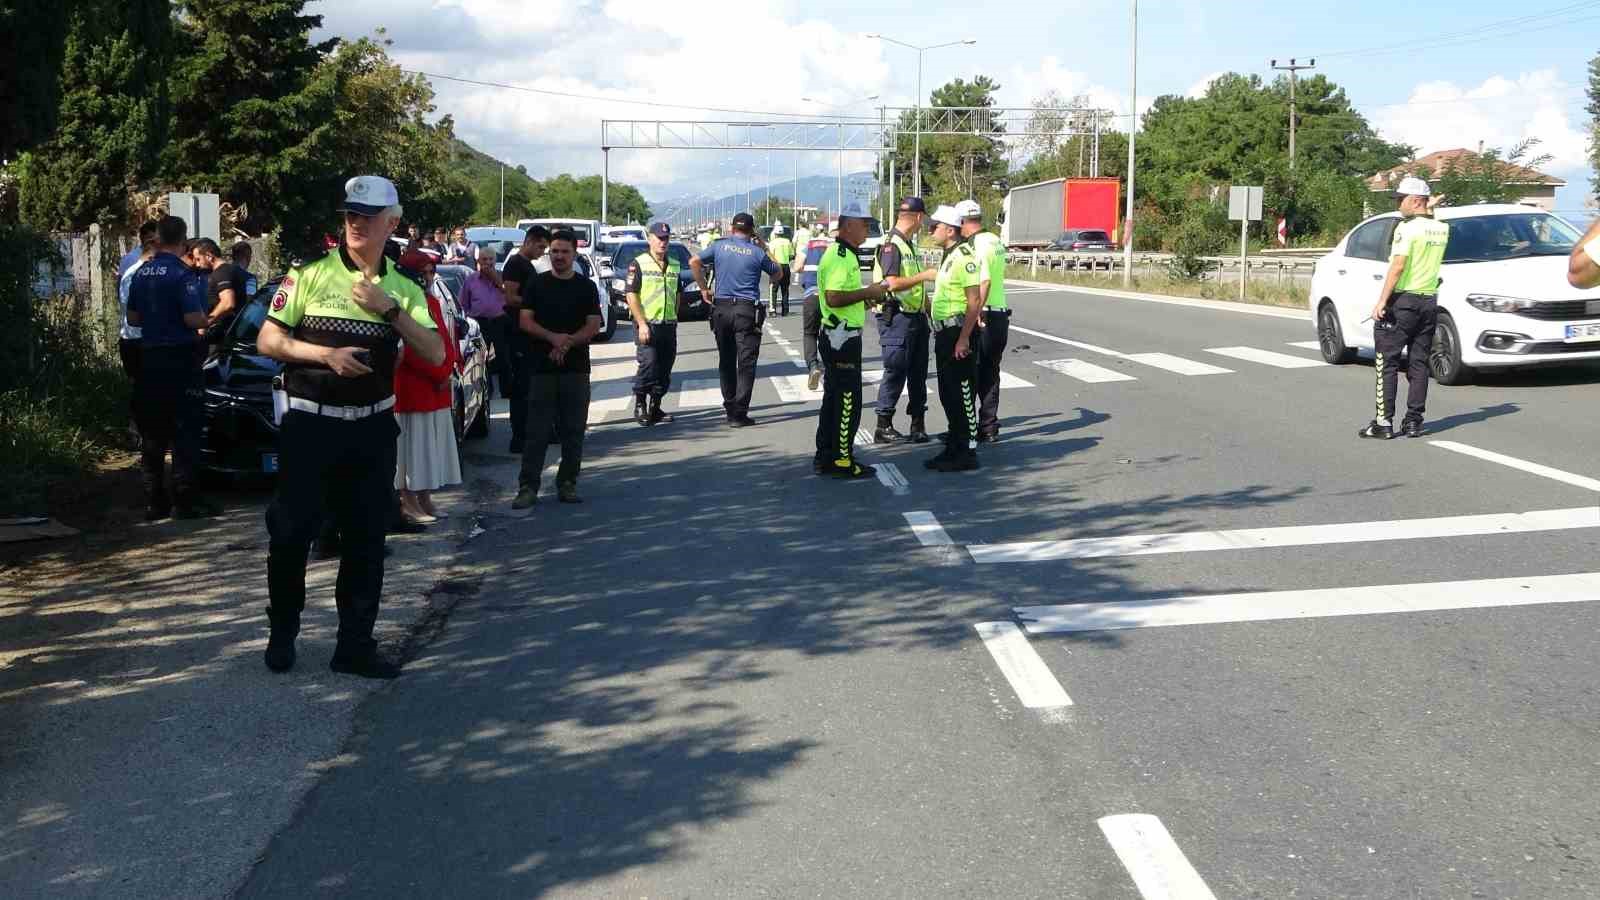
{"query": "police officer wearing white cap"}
[(994, 329), (1407, 311), (336, 323), (842, 304), (954, 309)]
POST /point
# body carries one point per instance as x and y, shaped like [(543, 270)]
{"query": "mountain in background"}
[(820, 191), (560, 196)]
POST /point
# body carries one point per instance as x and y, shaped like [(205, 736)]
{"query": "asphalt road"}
[(724, 677)]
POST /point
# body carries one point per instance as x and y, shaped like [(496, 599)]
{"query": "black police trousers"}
[(343, 470), (810, 326), (167, 407), (738, 333), (991, 348), (780, 293), (903, 338), (1409, 326), (841, 399), (957, 389), (656, 359)]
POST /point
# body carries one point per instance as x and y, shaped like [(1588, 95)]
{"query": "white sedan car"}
[(1503, 294)]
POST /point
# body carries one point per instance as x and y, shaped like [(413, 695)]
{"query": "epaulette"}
[(839, 248), (964, 247)]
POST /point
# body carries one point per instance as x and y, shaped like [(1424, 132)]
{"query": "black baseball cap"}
[(912, 204), (660, 230), (744, 222)]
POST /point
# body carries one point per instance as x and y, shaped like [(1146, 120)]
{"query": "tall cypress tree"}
[(244, 101), (112, 118)]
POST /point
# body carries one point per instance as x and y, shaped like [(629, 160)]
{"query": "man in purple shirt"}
[(483, 297)]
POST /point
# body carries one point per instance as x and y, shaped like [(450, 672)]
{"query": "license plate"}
[(269, 462), (1578, 334)]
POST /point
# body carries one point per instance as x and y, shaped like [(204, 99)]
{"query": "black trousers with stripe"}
[(841, 399), (1409, 327), (958, 388)]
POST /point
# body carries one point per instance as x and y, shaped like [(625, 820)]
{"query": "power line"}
[(1479, 30)]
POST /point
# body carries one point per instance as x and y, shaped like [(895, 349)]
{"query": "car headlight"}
[(1498, 303)]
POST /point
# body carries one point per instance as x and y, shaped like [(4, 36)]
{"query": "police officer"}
[(994, 326), (782, 251), (843, 302), (1407, 310), (652, 286), (336, 323), (903, 325), (810, 313), (735, 321), (954, 310), (167, 303)]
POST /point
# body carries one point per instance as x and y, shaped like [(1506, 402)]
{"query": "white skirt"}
[(427, 457)]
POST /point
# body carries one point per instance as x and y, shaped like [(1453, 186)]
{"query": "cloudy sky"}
[(1440, 75)]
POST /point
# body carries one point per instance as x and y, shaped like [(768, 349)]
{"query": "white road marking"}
[(1021, 665), (792, 389), (1178, 364), (1212, 609), (606, 398), (863, 438), (613, 350), (889, 476), (1307, 345), (1083, 371), (1588, 484), (1160, 870), (927, 529), (1248, 309), (1267, 357), (700, 393), (1290, 536), (1009, 381), (1061, 340)]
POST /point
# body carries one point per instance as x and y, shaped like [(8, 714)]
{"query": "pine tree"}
[(243, 101), (112, 119), (1594, 122)]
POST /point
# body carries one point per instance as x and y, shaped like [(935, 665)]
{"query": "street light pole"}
[(1133, 130), (916, 152)]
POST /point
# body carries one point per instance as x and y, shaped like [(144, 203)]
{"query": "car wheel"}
[(1445, 361), (1330, 337)]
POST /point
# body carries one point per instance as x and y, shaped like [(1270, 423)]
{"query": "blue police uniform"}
[(739, 264), (167, 402)]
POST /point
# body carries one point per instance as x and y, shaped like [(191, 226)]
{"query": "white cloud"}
[(1199, 88), (621, 50), (1501, 111)]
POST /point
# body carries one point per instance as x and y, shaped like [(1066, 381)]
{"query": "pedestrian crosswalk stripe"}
[(863, 438), (1288, 536), (890, 476), (1267, 357), (1306, 345), (1158, 867), (1036, 687), (1009, 381), (1178, 364), (612, 350), (1213, 609), (1083, 371), (700, 393), (927, 529)]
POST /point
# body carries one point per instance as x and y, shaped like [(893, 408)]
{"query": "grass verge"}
[(1264, 293)]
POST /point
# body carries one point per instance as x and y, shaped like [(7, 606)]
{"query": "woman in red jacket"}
[(427, 458)]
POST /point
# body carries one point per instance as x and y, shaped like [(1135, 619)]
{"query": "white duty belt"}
[(348, 413)]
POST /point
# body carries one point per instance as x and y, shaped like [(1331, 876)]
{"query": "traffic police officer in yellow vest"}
[(652, 286), (954, 309), (842, 302), (336, 323), (782, 251), (1408, 310), (995, 327), (903, 325)]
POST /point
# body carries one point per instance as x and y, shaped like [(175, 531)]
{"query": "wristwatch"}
[(392, 313)]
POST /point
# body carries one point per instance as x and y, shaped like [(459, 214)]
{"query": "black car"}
[(1084, 240), (691, 306), (238, 434)]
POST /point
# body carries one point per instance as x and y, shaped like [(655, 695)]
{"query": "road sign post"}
[(1244, 205)]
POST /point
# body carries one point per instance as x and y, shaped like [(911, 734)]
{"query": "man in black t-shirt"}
[(561, 315), (515, 276), (228, 289)]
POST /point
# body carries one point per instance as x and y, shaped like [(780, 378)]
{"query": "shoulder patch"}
[(839, 249), (964, 248), (972, 268), (280, 299)]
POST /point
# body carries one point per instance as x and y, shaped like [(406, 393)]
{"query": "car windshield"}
[(247, 324), (502, 249), (1508, 236), (1096, 236), (627, 253)]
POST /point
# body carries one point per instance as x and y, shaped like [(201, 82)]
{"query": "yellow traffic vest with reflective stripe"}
[(912, 298), (957, 271), (658, 288), (992, 254)]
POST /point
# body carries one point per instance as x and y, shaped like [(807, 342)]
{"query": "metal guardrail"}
[(1221, 268)]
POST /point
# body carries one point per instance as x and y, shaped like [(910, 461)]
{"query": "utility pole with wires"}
[(1292, 68)]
